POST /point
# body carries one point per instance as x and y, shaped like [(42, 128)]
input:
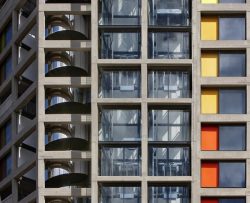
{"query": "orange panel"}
[(209, 174), (209, 200), (209, 138)]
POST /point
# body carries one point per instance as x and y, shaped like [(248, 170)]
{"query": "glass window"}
[(169, 84), (121, 161), (232, 101), (5, 69), (120, 125), (120, 194), (5, 36), (120, 84), (232, 137), (232, 64), (169, 194), (232, 174), (232, 200), (169, 45), (119, 12), (232, 1), (5, 134), (171, 161), (125, 45), (169, 125), (232, 28), (5, 166), (169, 13)]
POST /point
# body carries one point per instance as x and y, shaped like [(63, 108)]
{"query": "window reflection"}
[(119, 84), (169, 45), (169, 125)]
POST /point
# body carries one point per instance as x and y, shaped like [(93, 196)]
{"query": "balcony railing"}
[(66, 174), (125, 45), (67, 100), (66, 27), (169, 45), (66, 137)]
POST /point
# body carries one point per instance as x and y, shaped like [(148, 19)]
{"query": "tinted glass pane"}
[(232, 1), (119, 12), (232, 28), (232, 101), (232, 174), (169, 194), (169, 84), (232, 200), (171, 12), (232, 137), (118, 84), (232, 64), (169, 45)]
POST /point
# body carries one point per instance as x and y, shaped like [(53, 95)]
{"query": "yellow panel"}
[(209, 101), (209, 64), (209, 28), (209, 1)]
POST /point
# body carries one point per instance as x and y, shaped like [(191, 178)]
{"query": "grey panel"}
[(232, 174), (232, 138), (232, 28), (232, 101), (232, 64)]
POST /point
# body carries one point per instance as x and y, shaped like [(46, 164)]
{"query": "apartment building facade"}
[(124, 101)]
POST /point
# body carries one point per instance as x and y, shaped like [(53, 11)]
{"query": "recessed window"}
[(120, 45), (5, 69), (116, 12), (5, 166), (232, 64), (169, 13), (232, 28), (5, 36), (169, 125), (232, 1), (169, 45), (123, 193), (169, 84), (223, 101), (120, 161), (5, 134), (169, 193), (232, 174), (232, 101), (119, 84), (223, 174), (120, 125), (169, 161), (223, 200), (223, 137), (223, 27)]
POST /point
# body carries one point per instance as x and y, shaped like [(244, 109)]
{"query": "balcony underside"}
[(66, 35), (70, 179), (71, 143), (67, 71), (69, 108)]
